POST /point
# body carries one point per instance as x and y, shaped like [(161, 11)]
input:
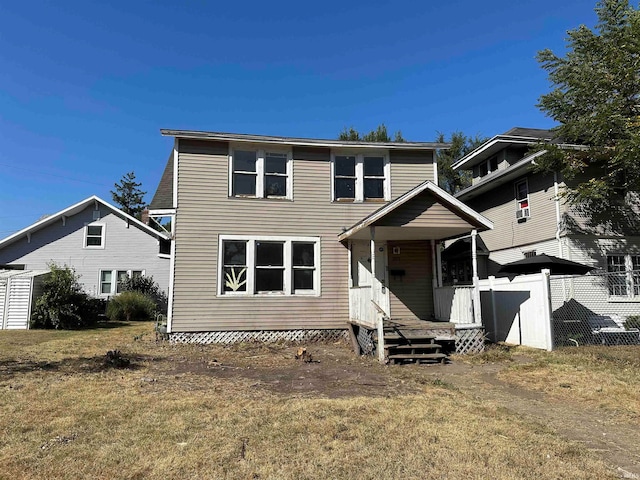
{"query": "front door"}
[(410, 279), (361, 271)]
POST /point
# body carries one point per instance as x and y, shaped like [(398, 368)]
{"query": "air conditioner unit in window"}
[(522, 213)]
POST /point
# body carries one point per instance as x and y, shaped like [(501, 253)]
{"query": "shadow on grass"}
[(72, 365)]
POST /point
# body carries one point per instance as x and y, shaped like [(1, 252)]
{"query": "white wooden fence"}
[(454, 304), (361, 309)]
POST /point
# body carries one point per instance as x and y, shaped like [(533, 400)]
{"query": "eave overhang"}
[(466, 213), (74, 209), (307, 142)]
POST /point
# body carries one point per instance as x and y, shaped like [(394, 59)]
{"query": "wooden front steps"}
[(414, 341)]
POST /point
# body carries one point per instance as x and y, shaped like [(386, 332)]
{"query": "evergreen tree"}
[(380, 134), (448, 179), (128, 196)]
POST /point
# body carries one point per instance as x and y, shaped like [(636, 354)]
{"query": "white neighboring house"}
[(101, 242)]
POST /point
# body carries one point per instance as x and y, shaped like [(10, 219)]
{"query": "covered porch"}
[(394, 269)]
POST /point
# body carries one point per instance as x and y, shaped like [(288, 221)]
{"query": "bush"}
[(632, 322), (128, 306), (146, 286), (63, 304)]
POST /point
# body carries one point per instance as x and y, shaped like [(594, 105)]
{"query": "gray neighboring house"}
[(530, 218), (101, 242)]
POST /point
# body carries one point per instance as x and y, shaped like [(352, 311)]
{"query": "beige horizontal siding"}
[(413, 213), (499, 206), (205, 211), (409, 169)]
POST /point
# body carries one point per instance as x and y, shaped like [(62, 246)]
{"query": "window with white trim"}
[(111, 281), (260, 173), (360, 177), (269, 265), (623, 276), (94, 235), (523, 207)]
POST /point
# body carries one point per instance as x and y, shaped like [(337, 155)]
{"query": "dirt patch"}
[(337, 373)]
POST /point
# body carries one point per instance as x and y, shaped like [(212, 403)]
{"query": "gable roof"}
[(77, 208), (500, 177), (442, 197), (515, 136), (309, 142), (163, 198)]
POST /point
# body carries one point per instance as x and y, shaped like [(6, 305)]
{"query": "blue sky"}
[(86, 86)]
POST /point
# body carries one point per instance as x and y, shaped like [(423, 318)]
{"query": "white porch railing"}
[(360, 306), (454, 304)]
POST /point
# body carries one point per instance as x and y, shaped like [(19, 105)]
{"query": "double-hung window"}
[(269, 265), (260, 173), (94, 235), (360, 177), (111, 281), (623, 276)]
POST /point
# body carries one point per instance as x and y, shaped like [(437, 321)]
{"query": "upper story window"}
[(486, 167), (361, 177), (623, 279), (269, 265), (523, 207), (260, 173), (94, 235)]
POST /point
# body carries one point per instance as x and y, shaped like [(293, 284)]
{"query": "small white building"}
[(19, 290)]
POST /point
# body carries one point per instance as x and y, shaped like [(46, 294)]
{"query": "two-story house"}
[(281, 237), (530, 216)]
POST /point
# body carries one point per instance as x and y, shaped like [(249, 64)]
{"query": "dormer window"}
[(488, 166), (258, 173)]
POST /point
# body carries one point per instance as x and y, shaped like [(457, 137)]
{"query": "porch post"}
[(477, 316), (439, 263), (374, 289)]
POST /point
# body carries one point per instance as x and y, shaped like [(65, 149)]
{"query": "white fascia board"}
[(308, 142), (72, 210), (498, 139)]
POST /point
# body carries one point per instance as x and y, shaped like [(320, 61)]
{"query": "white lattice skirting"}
[(259, 336), (469, 340)]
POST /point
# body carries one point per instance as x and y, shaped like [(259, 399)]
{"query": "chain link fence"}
[(596, 309)]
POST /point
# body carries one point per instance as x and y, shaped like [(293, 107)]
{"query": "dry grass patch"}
[(77, 419), (605, 377)]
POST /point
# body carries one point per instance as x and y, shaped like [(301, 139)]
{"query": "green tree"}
[(380, 134), (448, 179), (595, 98), (128, 196)]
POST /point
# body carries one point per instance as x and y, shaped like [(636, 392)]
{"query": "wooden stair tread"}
[(417, 356), (396, 336), (415, 345)]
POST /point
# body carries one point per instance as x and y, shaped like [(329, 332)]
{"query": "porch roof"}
[(426, 212)]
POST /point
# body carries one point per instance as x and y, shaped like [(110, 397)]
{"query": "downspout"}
[(558, 219)]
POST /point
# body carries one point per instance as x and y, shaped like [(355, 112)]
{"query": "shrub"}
[(63, 304), (131, 305), (146, 286), (632, 322)]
